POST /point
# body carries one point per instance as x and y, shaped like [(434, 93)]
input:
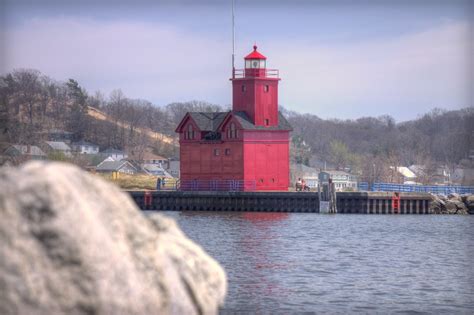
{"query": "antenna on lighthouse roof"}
[(233, 41)]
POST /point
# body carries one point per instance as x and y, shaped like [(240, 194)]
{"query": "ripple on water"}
[(294, 263)]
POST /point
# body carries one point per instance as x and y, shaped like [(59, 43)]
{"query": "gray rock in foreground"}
[(72, 243)]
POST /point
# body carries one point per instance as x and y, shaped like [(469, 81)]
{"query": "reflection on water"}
[(297, 262), (259, 217)]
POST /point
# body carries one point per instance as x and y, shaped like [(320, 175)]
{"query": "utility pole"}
[(233, 41)]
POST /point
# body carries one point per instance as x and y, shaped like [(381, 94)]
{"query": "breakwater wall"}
[(347, 202)]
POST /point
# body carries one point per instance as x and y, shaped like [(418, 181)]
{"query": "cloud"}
[(146, 60), (400, 75)]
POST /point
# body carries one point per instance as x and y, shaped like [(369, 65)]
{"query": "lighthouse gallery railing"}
[(269, 73)]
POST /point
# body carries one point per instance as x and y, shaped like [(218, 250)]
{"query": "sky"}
[(337, 59)]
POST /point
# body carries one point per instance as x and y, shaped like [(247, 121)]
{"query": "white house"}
[(408, 175), (342, 180), (114, 153), (84, 147)]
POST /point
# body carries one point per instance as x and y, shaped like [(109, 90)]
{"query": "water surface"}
[(287, 263)]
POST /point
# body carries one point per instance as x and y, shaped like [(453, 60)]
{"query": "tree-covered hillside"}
[(32, 103)]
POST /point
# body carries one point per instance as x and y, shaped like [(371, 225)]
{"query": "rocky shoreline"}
[(452, 204)]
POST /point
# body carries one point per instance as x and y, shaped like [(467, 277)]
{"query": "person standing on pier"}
[(158, 183), (299, 184)]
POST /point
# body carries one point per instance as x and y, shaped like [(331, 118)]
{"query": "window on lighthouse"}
[(232, 131), (190, 132), (255, 64)]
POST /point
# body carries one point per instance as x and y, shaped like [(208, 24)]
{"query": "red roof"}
[(255, 54)]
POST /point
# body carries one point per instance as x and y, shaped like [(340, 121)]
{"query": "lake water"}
[(285, 263)]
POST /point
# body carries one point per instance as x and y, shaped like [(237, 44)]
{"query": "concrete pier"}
[(347, 202)]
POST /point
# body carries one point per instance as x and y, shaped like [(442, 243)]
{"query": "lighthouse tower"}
[(246, 148), (255, 90)]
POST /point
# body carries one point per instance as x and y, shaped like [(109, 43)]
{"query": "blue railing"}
[(363, 186), (218, 185), (435, 189)]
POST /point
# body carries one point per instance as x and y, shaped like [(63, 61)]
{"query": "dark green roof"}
[(244, 120), (210, 121)]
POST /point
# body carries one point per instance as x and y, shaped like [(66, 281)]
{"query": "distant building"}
[(156, 170), (405, 175), (441, 176), (342, 180), (25, 152), (172, 167), (59, 135), (463, 176), (430, 174), (114, 153), (90, 161), (309, 174), (84, 147), (109, 166), (146, 157), (56, 146)]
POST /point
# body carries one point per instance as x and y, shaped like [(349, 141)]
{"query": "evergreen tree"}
[(78, 116)]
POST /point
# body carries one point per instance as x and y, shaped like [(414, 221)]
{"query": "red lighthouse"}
[(243, 149)]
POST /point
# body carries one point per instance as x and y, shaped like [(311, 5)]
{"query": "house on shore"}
[(84, 147), (403, 175), (172, 167), (109, 165), (434, 174), (144, 157), (21, 153), (309, 174), (342, 180), (56, 146), (156, 170), (114, 153), (463, 176)]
